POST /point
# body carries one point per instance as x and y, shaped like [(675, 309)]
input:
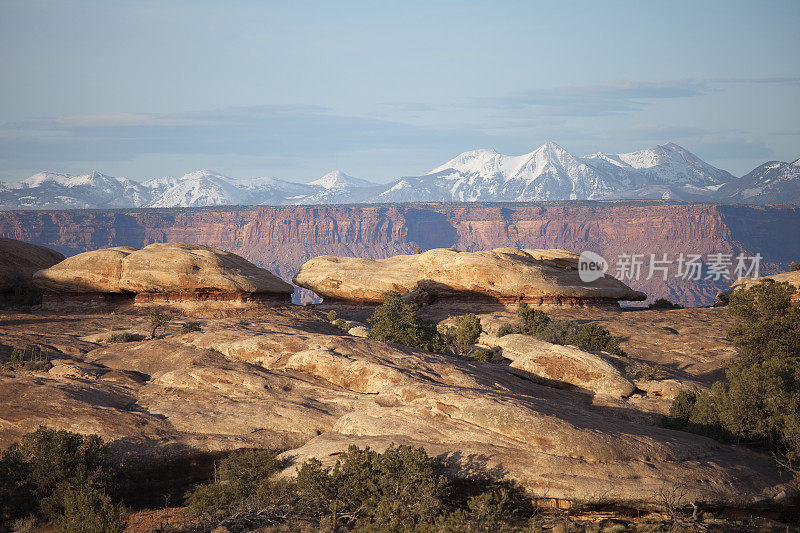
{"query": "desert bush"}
[(91, 509), (559, 330), (417, 250), (462, 337), (760, 400), (506, 329), (332, 316), (794, 267), (397, 321), (158, 321), (36, 473), (595, 338), (681, 410), (401, 489), (343, 324), (397, 489), (663, 303), (532, 321), (189, 327), (481, 354), (649, 372), (243, 482), (17, 358), (121, 336)]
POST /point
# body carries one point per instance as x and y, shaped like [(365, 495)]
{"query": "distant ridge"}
[(548, 173)]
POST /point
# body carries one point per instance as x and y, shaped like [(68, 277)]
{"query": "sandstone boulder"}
[(539, 276), (20, 260), (566, 364), (360, 280), (95, 271), (159, 268), (793, 278), (179, 267)]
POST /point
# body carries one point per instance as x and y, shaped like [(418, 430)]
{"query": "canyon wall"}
[(281, 238)]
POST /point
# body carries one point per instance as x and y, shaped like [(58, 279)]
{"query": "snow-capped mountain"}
[(549, 172), (772, 182), (50, 190)]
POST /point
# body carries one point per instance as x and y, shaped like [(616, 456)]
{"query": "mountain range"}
[(548, 173)]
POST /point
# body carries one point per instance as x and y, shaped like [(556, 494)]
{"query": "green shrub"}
[(397, 489), (506, 329), (36, 474), (343, 324), (158, 320), (595, 338), (794, 267), (332, 316), (649, 372), (17, 358), (401, 489), (760, 401), (663, 303), (559, 330), (243, 479), (532, 321), (189, 327), (122, 336), (680, 411), (91, 510), (481, 354), (417, 250), (461, 337), (397, 321)]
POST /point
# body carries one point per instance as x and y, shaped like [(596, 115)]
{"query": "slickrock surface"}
[(159, 268), (19, 260), (290, 380), (566, 364), (541, 276)]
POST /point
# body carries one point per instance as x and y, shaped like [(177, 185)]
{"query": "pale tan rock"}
[(359, 331), (511, 273), (566, 364), (503, 273), (159, 268), (95, 271), (667, 388), (352, 278), (180, 267), (73, 369), (20, 260), (284, 381)]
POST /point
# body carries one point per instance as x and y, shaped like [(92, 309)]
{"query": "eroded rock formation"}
[(188, 277), (281, 239), (541, 277)]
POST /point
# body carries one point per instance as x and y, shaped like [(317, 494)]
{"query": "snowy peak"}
[(339, 180)]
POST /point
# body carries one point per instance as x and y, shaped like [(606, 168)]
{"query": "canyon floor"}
[(290, 380)]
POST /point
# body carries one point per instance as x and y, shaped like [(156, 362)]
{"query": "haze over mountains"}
[(548, 173)]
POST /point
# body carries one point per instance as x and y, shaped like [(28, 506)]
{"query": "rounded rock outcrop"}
[(505, 274), (19, 260), (186, 277)]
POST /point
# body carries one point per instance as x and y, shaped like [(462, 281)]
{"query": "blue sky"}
[(384, 89)]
